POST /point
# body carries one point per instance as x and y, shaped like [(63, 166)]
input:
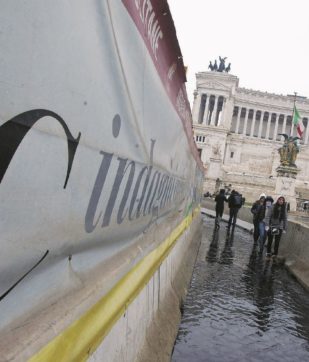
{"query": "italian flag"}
[(298, 122)]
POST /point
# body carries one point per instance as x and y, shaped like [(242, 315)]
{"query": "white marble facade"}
[(237, 132)]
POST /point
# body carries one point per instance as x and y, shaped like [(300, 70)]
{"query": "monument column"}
[(292, 127), (238, 119), (268, 125), (276, 127), (261, 124), (253, 123), (214, 112), (284, 123), (244, 131), (307, 133), (222, 120), (205, 118), (196, 106), (285, 184)]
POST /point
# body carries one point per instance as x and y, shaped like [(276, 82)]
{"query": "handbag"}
[(275, 230)]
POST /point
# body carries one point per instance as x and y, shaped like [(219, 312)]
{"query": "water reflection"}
[(212, 253), (241, 307), (258, 279), (227, 254)]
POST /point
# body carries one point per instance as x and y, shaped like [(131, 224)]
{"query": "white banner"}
[(95, 141)]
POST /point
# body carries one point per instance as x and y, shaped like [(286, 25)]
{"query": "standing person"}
[(268, 207), (276, 224), (235, 203), (220, 199), (257, 210), (262, 216)]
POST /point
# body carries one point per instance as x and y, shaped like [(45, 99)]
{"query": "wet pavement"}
[(241, 307)]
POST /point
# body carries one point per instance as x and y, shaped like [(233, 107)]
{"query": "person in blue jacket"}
[(257, 210)]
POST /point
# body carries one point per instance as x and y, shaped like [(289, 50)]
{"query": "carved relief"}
[(286, 186), (214, 85), (216, 150)]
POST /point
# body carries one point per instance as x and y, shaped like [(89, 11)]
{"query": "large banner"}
[(95, 141)]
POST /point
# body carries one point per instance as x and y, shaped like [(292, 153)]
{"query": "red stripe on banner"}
[(155, 24)]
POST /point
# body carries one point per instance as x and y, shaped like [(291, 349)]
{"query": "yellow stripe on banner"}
[(83, 337)]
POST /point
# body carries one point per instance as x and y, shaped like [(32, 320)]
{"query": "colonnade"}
[(264, 123), (208, 109)]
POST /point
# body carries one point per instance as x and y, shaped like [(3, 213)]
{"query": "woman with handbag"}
[(275, 225)]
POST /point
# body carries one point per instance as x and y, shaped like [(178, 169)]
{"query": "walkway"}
[(241, 307), (243, 224)]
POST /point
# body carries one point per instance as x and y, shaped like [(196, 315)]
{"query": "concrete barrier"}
[(294, 248), (148, 328), (137, 320)]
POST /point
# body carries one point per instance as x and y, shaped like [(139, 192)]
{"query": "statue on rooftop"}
[(222, 64), (228, 68), (221, 68), (215, 65)]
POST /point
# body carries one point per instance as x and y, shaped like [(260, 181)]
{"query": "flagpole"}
[(295, 94)]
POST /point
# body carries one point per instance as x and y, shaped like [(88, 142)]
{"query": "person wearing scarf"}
[(276, 224)]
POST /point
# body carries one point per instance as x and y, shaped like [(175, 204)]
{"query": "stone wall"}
[(294, 247)]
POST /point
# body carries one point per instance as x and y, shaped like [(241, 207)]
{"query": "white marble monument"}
[(237, 132)]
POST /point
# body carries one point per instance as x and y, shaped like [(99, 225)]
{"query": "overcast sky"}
[(267, 41)]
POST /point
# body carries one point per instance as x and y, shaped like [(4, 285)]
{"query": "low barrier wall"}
[(294, 245), (138, 319), (148, 329)]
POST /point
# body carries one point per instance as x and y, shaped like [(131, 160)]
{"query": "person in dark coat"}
[(258, 211), (235, 203), (220, 199), (276, 225)]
